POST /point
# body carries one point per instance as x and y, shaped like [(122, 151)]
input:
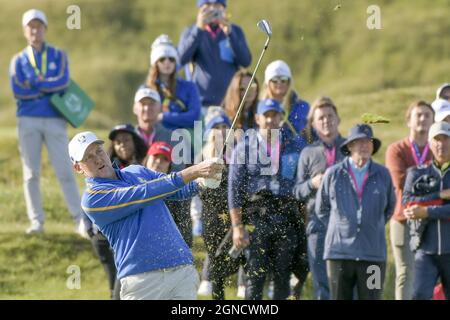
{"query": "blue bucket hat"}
[(360, 131), (267, 105), (202, 2)]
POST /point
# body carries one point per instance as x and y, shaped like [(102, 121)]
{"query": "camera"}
[(215, 15)]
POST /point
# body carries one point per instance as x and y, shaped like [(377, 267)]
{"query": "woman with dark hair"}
[(180, 98), (234, 95), (126, 146)]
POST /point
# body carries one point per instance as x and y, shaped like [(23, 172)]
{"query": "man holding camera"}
[(216, 48), (429, 215)]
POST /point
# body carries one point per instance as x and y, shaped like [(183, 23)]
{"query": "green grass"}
[(330, 52)]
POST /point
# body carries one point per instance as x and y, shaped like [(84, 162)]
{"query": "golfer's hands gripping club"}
[(206, 170)]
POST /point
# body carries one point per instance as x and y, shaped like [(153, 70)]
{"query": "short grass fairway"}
[(40, 267)]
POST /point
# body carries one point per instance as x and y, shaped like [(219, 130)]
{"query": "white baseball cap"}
[(163, 47), (442, 109), (439, 128), (440, 89), (33, 14), (145, 92), (439, 104), (275, 69), (79, 143)]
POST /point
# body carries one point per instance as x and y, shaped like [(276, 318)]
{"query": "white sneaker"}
[(205, 288), (35, 228), (241, 292), (293, 282), (81, 229)]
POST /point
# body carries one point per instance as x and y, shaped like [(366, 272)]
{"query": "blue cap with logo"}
[(267, 105)]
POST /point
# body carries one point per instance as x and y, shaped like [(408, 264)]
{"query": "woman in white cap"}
[(180, 98), (279, 86)]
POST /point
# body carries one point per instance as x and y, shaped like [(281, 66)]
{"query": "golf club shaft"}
[(245, 95)]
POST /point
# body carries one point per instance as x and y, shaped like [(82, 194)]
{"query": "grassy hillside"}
[(331, 52)]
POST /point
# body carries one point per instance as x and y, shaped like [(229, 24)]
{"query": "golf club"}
[(265, 27)]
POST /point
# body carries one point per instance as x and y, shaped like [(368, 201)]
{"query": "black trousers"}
[(221, 265), (300, 265), (180, 211), (273, 244), (345, 275), (104, 252)]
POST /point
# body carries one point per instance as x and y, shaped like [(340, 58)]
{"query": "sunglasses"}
[(280, 79), (171, 59), (253, 86)]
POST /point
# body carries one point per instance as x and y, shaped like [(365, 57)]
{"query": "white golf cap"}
[(163, 47), (440, 89), (34, 14), (442, 109), (79, 143), (439, 104), (146, 93), (439, 128), (277, 68)]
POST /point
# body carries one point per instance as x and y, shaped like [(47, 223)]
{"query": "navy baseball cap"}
[(219, 119), (122, 128), (267, 105)]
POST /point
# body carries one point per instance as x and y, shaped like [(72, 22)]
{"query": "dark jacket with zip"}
[(435, 239)]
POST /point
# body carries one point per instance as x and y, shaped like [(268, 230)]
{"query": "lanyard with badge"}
[(359, 191), (419, 159), (274, 153), (330, 154), (39, 73)]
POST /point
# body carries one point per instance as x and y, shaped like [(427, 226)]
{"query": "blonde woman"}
[(215, 207)]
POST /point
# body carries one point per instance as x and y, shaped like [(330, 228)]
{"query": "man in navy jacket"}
[(432, 258), (216, 47), (354, 202)]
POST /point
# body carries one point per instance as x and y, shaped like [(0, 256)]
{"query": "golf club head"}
[(265, 27)]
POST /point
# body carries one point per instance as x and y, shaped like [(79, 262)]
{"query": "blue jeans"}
[(428, 269), (317, 266)]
